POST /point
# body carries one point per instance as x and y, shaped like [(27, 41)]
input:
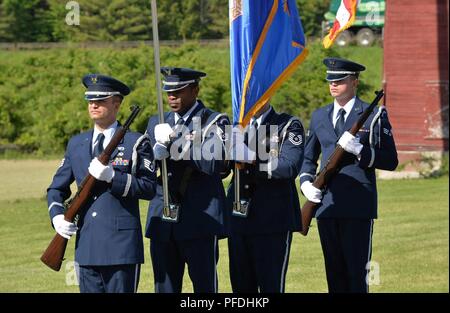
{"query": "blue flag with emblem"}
[(267, 44)]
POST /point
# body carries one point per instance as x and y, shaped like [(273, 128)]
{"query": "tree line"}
[(42, 98), (124, 20)]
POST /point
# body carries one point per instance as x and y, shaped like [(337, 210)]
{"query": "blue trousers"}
[(259, 262), (347, 248), (170, 257), (109, 279)]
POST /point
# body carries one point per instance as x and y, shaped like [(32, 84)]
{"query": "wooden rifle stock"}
[(332, 166), (54, 254)]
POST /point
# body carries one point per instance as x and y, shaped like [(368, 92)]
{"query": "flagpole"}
[(165, 186), (237, 189)]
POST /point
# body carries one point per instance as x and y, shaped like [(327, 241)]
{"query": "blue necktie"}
[(251, 133), (180, 121), (178, 127), (339, 127), (98, 147)]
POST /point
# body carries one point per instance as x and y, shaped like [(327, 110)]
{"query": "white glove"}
[(350, 143), (162, 133), (63, 227), (239, 150), (311, 193), (100, 171), (160, 151)]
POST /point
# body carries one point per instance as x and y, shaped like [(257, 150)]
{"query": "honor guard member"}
[(188, 231), (109, 245), (262, 222), (348, 204)]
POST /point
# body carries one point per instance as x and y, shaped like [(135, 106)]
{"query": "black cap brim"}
[(97, 97), (336, 77), (170, 88)]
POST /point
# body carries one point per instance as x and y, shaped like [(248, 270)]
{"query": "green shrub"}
[(42, 99)]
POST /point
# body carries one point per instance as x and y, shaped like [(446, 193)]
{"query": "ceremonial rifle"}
[(332, 166), (54, 254)]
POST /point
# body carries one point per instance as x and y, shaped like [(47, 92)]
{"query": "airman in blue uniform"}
[(267, 212), (192, 142), (109, 245), (348, 204)]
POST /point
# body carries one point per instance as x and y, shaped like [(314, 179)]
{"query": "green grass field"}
[(410, 242)]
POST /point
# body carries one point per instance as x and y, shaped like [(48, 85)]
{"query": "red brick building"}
[(416, 64)]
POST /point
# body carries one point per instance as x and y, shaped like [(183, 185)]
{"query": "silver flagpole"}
[(165, 186), (237, 189)]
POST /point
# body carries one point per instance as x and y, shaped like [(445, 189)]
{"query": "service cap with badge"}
[(338, 69), (177, 78), (100, 87)]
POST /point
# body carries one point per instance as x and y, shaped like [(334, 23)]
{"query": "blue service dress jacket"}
[(352, 192), (109, 228), (274, 202), (203, 201)]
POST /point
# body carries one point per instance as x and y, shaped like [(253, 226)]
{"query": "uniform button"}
[(94, 214), (247, 172), (95, 198), (169, 174), (246, 186)]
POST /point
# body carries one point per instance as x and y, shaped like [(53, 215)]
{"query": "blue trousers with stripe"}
[(258, 263), (109, 279), (170, 257), (347, 249)]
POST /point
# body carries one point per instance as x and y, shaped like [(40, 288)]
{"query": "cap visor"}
[(174, 88), (96, 97), (336, 77)]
